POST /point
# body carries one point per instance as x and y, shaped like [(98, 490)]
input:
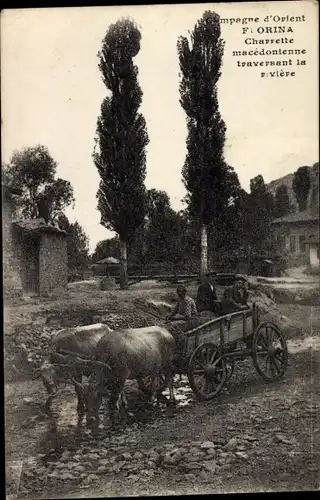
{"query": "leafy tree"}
[(282, 201), (33, 170), (260, 212), (158, 202), (54, 199), (260, 195), (228, 239), (209, 181), (106, 248), (121, 139), (301, 184), (162, 227), (77, 244)]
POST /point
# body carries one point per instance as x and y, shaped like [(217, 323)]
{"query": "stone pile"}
[(125, 320), (192, 460), (26, 349)]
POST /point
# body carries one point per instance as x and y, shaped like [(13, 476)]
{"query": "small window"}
[(292, 244), (302, 244)]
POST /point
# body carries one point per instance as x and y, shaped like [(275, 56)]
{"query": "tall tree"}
[(282, 205), (121, 139), (33, 170), (301, 184), (209, 181)]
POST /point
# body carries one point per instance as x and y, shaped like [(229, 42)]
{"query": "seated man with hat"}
[(207, 299), (233, 300)]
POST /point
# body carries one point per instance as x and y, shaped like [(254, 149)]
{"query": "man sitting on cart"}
[(182, 318), (233, 300), (207, 300), (185, 308), (240, 292)]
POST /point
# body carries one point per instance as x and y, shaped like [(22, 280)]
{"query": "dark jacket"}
[(206, 297), (232, 301), (240, 296)]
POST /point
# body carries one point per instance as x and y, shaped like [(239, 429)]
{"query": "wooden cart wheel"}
[(207, 372), (269, 352)]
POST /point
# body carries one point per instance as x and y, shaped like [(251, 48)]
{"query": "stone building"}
[(11, 264), (298, 233), (34, 254)]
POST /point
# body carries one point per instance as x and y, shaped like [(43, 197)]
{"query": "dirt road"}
[(253, 437)]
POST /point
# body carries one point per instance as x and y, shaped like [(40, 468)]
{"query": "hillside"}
[(313, 202)]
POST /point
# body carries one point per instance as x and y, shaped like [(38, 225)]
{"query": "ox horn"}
[(82, 361), (102, 365)]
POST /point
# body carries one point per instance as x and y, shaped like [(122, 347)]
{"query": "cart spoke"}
[(214, 355), (267, 364), (262, 353), (197, 362), (279, 355), (198, 372), (273, 371), (202, 357), (205, 384), (273, 361), (263, 340), (208, 355), (269, 337), (214, 384)]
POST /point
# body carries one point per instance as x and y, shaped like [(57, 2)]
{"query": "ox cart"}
[(209, 351)]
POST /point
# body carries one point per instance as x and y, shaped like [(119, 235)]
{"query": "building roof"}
[(305, 216), (107, 260), (37, 226), (312, 241)]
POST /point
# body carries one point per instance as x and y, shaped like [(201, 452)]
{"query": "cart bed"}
[(233, 326)]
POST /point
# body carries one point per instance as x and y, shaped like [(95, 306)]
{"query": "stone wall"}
[(30, 245), (11, 264), (53, 270)]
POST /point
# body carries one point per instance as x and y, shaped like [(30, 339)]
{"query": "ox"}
[(78, 342), (134, 353)]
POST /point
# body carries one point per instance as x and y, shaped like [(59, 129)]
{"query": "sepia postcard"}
[(160, 218)]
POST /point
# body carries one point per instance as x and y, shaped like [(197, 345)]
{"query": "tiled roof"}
[(305, 216), (37, 226)]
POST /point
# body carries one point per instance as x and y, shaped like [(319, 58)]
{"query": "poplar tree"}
[(121, 140), (301, 184), (282, 201), (208, 180)]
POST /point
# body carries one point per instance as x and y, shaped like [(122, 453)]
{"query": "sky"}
[(51, 92)]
